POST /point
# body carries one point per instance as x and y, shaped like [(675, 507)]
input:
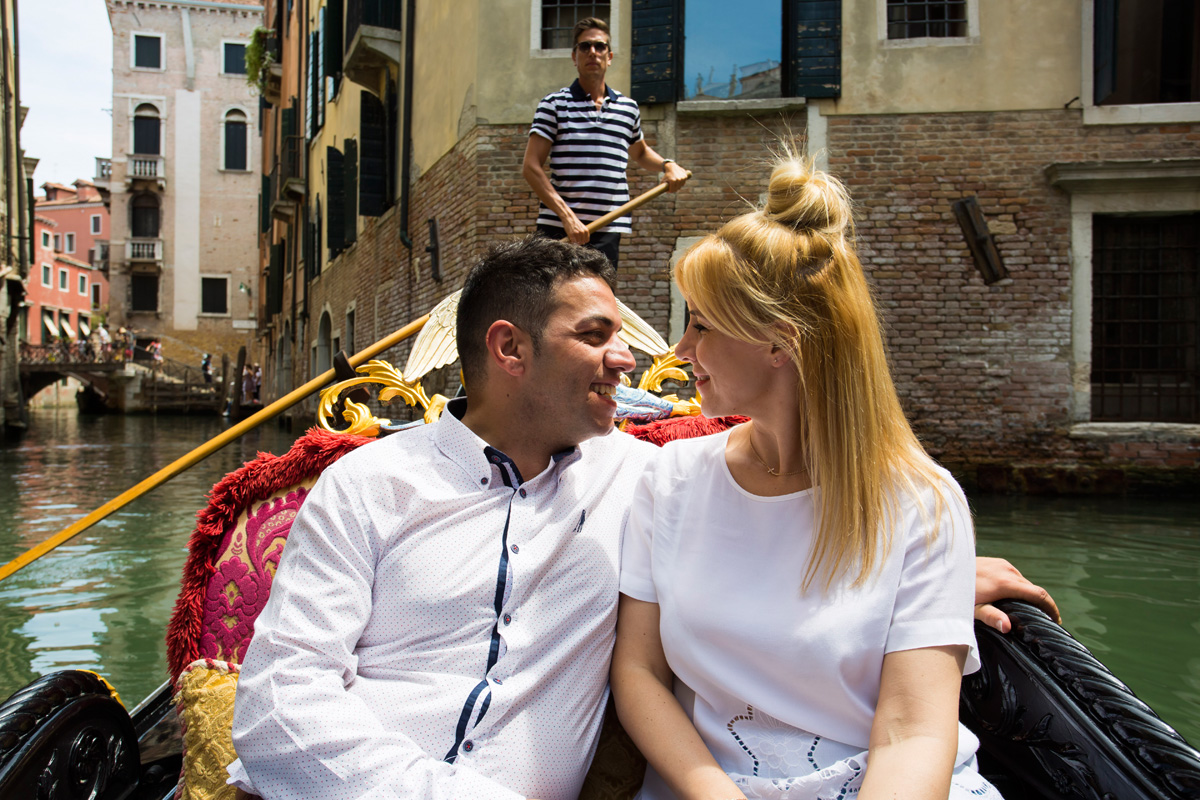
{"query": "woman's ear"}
[(508, 347)]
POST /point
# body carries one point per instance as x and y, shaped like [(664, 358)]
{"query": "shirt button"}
[(468, 745), (483, 481), (497, 681), (515, 549), (508, 619), (522, 493)]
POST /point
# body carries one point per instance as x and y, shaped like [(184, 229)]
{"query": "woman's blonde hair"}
[(787, 274)]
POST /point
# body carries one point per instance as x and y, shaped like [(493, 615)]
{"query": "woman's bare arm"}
[(646, 705)]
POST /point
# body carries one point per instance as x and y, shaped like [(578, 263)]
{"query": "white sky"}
[(66, 82)]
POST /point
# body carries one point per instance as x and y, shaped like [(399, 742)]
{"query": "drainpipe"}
[(406, 129)]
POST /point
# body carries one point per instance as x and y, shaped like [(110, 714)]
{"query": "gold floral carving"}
[(362, 421)]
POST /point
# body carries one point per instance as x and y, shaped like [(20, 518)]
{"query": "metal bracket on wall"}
[(435, 261), (979, 240)]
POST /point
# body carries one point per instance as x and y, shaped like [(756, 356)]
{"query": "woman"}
[(805, 580)]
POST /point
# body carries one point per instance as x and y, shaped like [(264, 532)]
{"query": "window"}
[(47, 276), (697, 50), (143, 292), (723, 61), (235, 140), (1146, 52), (350, 331), (83, 285), (146, 129), (147, 51), (322, 356), (46, 239), (95, 224), (70, 239), (58, 241), (64, 278), (926, 19), (234, 62), (214, 295), (559, 18), (144, 216), (1145, 315), (95, 295)]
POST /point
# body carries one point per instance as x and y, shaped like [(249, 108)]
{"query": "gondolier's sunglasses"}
[(587, 47)]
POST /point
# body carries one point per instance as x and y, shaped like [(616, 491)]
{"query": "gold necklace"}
[(774, 473)]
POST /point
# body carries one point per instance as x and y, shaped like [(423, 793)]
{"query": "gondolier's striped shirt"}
[(589, 152)]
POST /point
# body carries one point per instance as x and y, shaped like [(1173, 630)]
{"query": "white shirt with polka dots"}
[(437, 628)]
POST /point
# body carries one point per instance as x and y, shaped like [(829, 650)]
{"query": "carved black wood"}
[(64, 737), (1053, 722)]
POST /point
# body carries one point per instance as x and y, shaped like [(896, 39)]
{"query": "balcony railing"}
[(143, 250), (144, 167), (103, 169)]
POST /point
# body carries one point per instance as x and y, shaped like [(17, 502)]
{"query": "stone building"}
[(16, 197), (183, 174), (1026, 176)]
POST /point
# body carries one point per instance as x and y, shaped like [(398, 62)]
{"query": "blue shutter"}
[(310, 129)]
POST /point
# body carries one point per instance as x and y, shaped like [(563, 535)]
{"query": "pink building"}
[(68, 279)]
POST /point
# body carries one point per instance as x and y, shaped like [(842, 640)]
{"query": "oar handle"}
[(205, 450), (641, 199)]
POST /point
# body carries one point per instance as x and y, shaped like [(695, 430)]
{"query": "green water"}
[(1126, 572)]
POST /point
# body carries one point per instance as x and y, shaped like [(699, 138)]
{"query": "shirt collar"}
[(478, 458), (577, 92)]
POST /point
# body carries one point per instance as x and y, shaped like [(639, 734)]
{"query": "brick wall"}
[(985, 372)]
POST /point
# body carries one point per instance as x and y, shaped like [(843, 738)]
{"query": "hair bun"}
[(805, 198)]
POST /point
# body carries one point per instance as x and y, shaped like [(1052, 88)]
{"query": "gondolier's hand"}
[(996, 579), (576, 231), (674, 175)]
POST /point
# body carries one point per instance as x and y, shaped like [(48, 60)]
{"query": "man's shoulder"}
[(557, 96)]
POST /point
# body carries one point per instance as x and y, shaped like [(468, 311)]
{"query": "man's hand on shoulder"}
[(997, 579), (674, 175)]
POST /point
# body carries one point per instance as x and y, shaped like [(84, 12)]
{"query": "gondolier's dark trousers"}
[(607, 243)]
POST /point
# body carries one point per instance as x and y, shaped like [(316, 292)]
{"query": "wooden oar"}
[(205, 450), (641, 199)]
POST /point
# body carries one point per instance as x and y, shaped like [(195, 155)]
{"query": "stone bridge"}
[(120, 385)]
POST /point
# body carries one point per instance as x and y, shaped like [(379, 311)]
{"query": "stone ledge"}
[(752, 106), (1136, 431)]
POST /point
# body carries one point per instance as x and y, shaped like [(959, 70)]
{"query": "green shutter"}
[(372, 171), (657, 52), (813, 44), (335, 191), (351, 193)]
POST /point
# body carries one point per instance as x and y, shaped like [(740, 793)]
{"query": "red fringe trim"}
[(253, 482), (668, 430)]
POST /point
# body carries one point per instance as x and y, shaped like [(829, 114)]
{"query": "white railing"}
[(143, 167), (143, 250)]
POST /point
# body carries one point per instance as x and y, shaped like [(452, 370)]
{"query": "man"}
[(589, 131), (442, 619)]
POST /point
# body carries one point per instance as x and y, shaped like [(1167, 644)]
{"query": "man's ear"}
[(508, 347)]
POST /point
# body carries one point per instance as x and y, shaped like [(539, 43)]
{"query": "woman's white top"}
[(782, 682)]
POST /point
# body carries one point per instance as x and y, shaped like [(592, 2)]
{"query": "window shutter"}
[(335, 190), (310, 129), (1104, 51), (813, 46), (319, 70), (309, 247), (264, 205), (275, 280), (287, 122), (372, 183), (350, 172), (333, 39), (235, 145), (391, 156), (657, 50)]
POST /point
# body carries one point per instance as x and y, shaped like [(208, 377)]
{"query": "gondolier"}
[(589, 131)]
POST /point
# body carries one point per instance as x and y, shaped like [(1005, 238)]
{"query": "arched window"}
[(235, 140), (144, 216), (324, 355), (146, 131)]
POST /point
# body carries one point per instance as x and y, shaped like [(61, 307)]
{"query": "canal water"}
[(1125, 572)]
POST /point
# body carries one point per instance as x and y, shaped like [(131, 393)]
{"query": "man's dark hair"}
[(515, 281), (586, 24)]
